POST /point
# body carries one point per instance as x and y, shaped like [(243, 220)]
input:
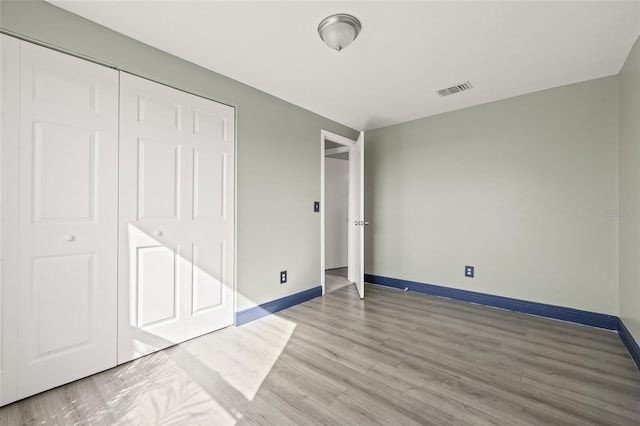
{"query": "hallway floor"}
[(335, 279)]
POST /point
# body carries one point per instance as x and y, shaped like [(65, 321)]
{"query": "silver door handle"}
[(366, 223)]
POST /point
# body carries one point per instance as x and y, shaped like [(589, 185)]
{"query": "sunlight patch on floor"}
[(243, 356)]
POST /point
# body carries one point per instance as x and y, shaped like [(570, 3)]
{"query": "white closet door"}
[(68, 219), (153, 254), (211, 142), (9, 145), (176, 217)]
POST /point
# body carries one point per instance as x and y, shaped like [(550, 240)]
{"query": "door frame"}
[(325, 135)]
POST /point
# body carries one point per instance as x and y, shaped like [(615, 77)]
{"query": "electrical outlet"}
[(468, 271), (283, 277)]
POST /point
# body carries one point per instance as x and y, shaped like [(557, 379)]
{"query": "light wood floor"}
[(335, 279), (395, 359)]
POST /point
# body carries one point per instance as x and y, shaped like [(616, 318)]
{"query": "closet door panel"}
[(208, 276), (176, 217), (209, 179), (63, 288), (211, 223), (64, 173), (154, 255), (9, 237), (156, 286), (68, 219), (159, 168)]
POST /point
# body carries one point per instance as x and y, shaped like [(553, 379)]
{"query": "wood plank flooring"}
[(395, 358), (335, 279)]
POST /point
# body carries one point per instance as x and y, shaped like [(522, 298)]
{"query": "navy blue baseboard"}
[(274, 306), (629, 342), (593, 319)]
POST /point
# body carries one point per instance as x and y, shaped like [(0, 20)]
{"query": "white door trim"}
[(325, 136)]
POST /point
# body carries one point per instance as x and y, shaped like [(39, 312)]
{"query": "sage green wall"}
[(519, 188), (278, 148), (629, 186)]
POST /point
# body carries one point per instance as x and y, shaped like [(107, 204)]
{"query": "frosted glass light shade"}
[(338, 31)]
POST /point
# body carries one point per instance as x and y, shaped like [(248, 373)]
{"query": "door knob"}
[(157, 233), (366, 223), (69, 237)]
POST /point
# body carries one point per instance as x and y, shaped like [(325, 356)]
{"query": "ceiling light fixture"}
[(339, 30)]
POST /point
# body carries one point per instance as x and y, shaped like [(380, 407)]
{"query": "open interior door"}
[(356, 213)]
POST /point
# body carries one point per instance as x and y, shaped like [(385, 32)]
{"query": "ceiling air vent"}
[(455, 89)]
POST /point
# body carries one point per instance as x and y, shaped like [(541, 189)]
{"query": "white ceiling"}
[(405, 52)]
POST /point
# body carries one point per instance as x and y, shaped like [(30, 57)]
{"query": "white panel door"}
[(176, 217), (211, 143), (153, 258), (356, 216), (9, 146), (68, 219)]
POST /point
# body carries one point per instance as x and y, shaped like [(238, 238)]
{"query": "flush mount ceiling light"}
[(339, 30)]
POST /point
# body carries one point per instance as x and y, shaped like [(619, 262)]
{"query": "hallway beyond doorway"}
[(336, 279)]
